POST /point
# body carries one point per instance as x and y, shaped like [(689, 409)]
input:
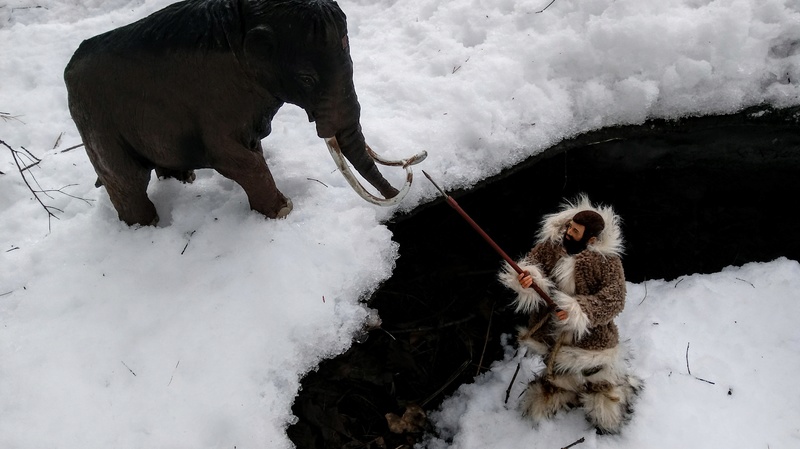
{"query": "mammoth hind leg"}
[(249, 169), (125, 180), (184, 176), (131, 201)]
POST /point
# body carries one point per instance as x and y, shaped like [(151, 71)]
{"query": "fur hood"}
[(608, 243)]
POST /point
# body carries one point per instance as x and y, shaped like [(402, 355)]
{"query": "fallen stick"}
[(581, 440)]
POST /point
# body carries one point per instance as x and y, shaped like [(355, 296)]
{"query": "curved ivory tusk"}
[(341, 164), (413, 160)]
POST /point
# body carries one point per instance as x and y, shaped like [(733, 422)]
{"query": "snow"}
[(717, 353), (196, 333)]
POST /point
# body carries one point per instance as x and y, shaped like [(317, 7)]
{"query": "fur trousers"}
[(604, 393)]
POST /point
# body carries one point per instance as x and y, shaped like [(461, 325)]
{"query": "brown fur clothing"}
[(590, 286)]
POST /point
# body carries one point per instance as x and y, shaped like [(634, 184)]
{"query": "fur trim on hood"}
[(609, 242)]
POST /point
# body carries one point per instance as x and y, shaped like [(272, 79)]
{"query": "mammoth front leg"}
[(249, 169)]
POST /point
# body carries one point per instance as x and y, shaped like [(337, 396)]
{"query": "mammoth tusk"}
[(413, 160), (341, 164)]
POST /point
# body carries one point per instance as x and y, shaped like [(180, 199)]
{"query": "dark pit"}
[(696, 195)]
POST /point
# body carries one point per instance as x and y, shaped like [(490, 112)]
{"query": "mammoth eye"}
[(307, 81)]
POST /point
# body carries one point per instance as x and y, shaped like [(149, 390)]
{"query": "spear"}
[(488, 239)]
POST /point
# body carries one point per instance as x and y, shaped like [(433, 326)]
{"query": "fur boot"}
[(545, 397), (609, 406)]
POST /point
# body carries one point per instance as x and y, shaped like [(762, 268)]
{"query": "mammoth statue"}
[(196, 85)]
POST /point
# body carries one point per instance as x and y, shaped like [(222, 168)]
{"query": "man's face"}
[(574, 231), (573, 238)]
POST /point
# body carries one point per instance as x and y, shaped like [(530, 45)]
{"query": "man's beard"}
[(573, 247)]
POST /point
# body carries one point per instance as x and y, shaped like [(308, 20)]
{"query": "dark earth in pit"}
[(696, 195)]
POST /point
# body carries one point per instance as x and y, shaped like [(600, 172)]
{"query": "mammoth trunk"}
[(354, 148)]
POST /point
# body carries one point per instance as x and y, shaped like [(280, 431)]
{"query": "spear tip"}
[(434, 183)]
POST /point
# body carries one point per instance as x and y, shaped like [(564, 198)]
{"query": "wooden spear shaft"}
[(488, 239)]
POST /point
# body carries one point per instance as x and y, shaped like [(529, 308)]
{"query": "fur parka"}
[(590, 286)]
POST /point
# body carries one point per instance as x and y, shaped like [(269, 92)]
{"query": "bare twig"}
[(613, 139), (388, 333), (7, 117), (312, 179), (511, 384), (687, 359), (34, 161), (645, 292), (679, 281), (548, 5), (690, 371), (746, 282), (61, 191), (16, 155), (452, 378), (581, 440), (58, 141), (434, 328), (129, 368), (19, 157), (516, 371), (173, 373), (27, 7), (188, 239), (485, 340), (72, 148), (706, 381)]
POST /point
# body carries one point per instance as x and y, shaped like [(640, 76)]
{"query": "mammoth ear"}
[(259, 42)]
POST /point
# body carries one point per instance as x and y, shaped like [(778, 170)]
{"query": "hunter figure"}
[(576, 261)]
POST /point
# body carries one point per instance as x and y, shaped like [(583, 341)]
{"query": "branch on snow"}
[(25, 160), (690, 371), (548, 5), (580, 440), (8, 117)]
